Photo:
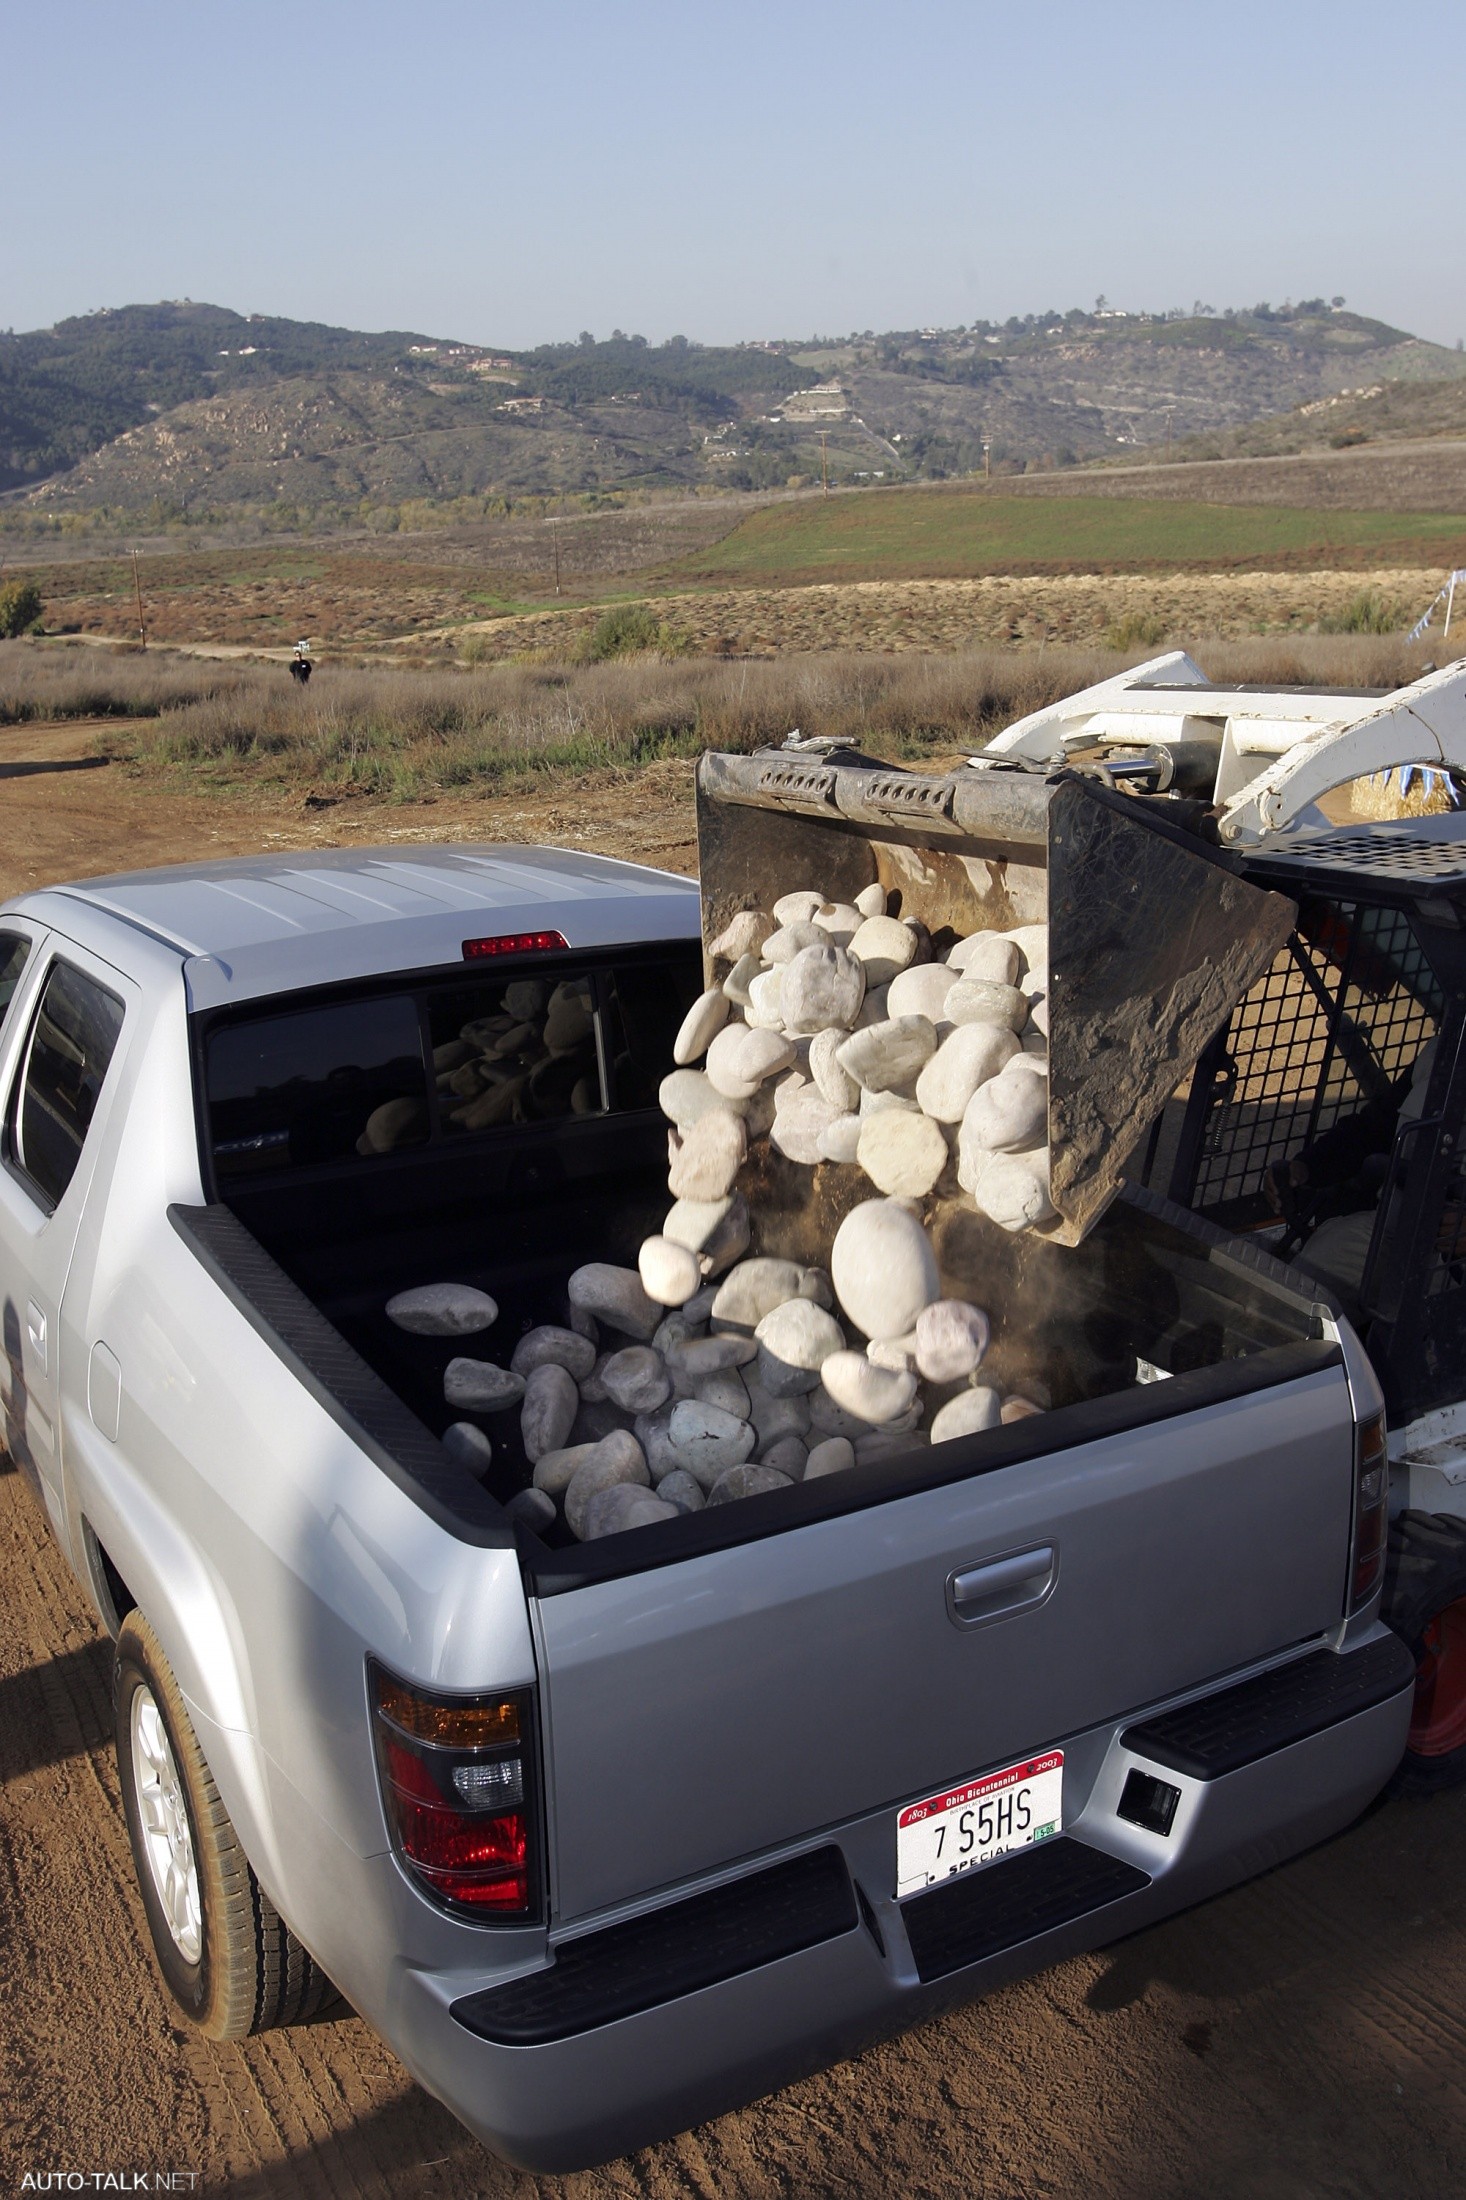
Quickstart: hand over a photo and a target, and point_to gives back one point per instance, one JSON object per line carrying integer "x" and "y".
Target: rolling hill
{"x": 184, "y": 412}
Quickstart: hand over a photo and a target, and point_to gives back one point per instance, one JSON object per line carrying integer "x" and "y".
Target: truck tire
{"x": 227, "y": 1956}
{"x": 1425, "y": 1603}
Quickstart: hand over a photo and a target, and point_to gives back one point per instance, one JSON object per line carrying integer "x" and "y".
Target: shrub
{"x": 1137, "y": 630}
{"x": 1367, "y": 613}
{"x": 629, "y": 630}
{"x": 20, "y": 609}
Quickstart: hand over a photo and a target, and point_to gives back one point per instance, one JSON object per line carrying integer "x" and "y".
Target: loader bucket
{"x": 1153, "y": 935}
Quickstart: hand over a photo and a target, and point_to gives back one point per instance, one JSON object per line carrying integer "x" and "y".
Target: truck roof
{"x": 257, "y": 925}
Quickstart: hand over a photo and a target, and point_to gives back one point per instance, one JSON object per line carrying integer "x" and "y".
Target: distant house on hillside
{"x": 521, "y": 405}
{"x": 826, "y": 401}
{"x": 490, "y": 363}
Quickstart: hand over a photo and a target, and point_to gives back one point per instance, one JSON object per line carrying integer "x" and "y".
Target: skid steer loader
{"x": 1255, "y": 1009}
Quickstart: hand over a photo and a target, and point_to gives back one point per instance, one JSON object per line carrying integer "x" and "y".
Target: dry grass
{"x": 404, "y": 735}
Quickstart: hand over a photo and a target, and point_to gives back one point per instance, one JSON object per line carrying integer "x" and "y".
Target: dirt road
{"x": 1305, "y": 2035}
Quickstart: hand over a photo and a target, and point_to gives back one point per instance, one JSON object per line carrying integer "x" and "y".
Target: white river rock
{"x": 554, "y": 1471}
{"x": 703, "y": 1021}
{"x": 742, "y": 935}
{"x": 614, "y": 1296}
{"x": 782, "y": 946}
{"x": 468, "y": 1446}
{"x": 787, "y": 1455}
{"x": 822, "y": 989}
{"x": 903, "y": 1153}
{"x": 800, "y": 1125}
{"x": 885, "y": 945}
{"x": 765, "y": 1000}
{"x": 1011, "y": 1113}
{"x": 443, "y": 1310}
{"x": 883, "y": 1268}
{"x": 836, "y": 1084}
{"x": 922, "y": 991}
{"x": 990, "y": 956}
{"x": 531, "y": 1509}
{"x": 979, "y": 1001}
{"x": 1011, "y": 1191}
{"x": 755, "y": 1287}
{"x": 740, "y": 1058}
{"x": 871, "y": 900}
{"x": 836, "y": 1455}
{"x": 965, "y": 1060}
{"x": 797, "y": 907}
{"x": 740, "y": 978}
{"x": 683, "y": 1490}
{"x": 867, "y": 1392}
{"x": 840, "y": 1138}
{"x": 951, "y": 1338}
{"x": 896, "y": 1352}
{"x": 708, "y": 1442}
{"x": 884, "y": 1057}
{"x": 704, "y": 1159}
{"x": 700, "y": 1356}
{"x": 637, "y": 1379}
{"x": 725, "y": 1389}
{"x": 669, "y": 1272}
{"x": 838, "y": 920}
{"x": 751, "y": 1480}
{"x": 966, "y": 1414}
{"x": 478, "y": 1386}
{"x": 794, "y": 1341}
{"x": 551, "y": 1402}
{"x": 617, "y": 1458}
{"x": 550, "y": 1346}
{"x": 623, "y": 1506}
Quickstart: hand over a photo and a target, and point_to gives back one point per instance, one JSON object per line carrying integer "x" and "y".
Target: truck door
{"x": 69, "y": 1012}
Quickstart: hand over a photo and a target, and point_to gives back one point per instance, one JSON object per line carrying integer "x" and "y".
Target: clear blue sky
{"x": 514, "y": 174}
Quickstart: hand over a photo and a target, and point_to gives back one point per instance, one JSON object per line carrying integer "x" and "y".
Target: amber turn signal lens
{"x": 464, "y": 1725}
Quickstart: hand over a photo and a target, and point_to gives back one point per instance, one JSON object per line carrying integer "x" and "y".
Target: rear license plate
{"x": 978, "y": 1821}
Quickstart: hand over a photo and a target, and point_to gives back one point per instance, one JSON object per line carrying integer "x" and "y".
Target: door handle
{"x": 35, "y": 1322}
{"x": 1001, "y": 1585}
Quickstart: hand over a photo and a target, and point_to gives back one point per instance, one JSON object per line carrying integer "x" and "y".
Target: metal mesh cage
{"x": 1341, "y": 1016}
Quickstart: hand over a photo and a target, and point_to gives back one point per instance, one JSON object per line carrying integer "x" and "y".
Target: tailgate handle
{"x": 1001, "y": 1586}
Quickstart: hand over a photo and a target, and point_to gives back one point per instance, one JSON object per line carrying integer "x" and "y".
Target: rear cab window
{"x": 60, "y": 1079}
{"x": 457, "y": 1058}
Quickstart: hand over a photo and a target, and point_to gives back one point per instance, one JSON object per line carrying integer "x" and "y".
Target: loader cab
{"x": 1351, "y": 1049}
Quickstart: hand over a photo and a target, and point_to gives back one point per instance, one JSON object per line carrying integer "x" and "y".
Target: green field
{"x": 906, "y": 534}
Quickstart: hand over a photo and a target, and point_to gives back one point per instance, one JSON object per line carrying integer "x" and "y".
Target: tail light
{"x": 458, "y": 1784}
{"x": 513, "y": 943}
{"x": 1371, "y": 1508}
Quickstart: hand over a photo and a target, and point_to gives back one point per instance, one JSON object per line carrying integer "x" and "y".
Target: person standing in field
{"x": 300, "y": 665}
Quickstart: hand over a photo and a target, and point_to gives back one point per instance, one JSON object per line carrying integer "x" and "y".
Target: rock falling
{"x": 706, "y": 1376}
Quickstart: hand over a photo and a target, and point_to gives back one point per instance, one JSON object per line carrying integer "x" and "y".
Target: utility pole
{"x": 142, "y": 631}
{"x": 987, "y": 460}
{"x": 825, "y": 461}
{"x": 1169, "y": 410}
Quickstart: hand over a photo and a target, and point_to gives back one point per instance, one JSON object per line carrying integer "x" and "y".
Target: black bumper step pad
{"x": 674, "y": 1951}
{"x": 1011, "y": 1901}
{"x": 1237, "y": 1726}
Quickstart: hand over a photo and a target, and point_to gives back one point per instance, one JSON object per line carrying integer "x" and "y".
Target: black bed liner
{"x": 392, "y": 1435}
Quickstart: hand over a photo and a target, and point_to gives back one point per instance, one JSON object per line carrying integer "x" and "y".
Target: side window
{"x": 14, "y": 954}
{"x": 72, "y": 1044}
{"x": 316, "y": 1085}
{"x": 514, "y": 1050}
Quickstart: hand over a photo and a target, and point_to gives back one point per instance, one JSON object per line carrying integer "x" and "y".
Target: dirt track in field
{"x": 1303, "y": 2036}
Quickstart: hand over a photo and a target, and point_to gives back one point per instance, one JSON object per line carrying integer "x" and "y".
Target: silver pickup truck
{"x": 608, "y": 1837}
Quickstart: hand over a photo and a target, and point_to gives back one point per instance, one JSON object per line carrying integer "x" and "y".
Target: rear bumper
{"x": 649, "y": 2026}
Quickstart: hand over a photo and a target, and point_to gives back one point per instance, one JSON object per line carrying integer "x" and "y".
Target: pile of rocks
{"x": 706, "y": 1375}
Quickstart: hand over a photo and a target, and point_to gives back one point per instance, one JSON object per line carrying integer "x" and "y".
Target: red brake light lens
{"x": 458, "y": 1796}
{"x": 1371, "y": 1508}
{"x": 513, "y": 943}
